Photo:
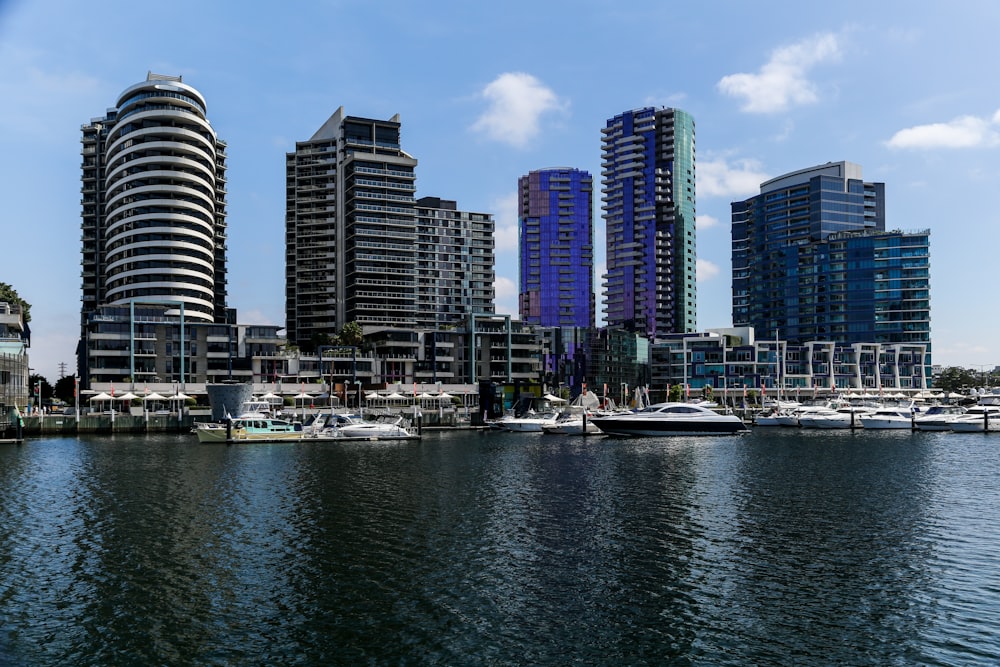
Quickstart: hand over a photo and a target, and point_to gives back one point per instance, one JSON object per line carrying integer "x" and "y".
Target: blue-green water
{"x": 781, "y": 547}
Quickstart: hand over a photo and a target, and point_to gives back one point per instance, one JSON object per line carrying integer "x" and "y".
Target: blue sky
{"x": 490, "y": 91}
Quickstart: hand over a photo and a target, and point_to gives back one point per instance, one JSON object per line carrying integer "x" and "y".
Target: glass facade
{"x": 812, "y": 260}
{"x": 648, "y": 194}
{"x": 556, "y": 233}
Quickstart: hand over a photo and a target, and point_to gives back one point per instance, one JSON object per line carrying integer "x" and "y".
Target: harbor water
{"x": 780, "y": 547}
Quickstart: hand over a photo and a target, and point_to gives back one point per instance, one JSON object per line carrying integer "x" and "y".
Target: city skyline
{"x": 482, "y": 101}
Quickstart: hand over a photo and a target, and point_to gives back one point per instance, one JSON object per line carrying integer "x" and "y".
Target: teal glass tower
{"x": 648, "y": 194}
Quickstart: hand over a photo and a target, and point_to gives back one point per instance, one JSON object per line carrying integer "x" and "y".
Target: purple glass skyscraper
{"x": 556, "y": 234}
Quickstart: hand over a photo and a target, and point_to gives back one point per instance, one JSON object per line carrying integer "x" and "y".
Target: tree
{"x": 64, "y": 388}
{"x": 351, "y": 334}
{"x": 676, "y": 391}
{"x": 10, "y": 295}
{"x": 955, "y": 379}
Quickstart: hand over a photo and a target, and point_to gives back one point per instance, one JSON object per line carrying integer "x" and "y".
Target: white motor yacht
{"x": 845, "y": 417}
{"x": 387, "y": 427}
{"x": 937, "y": 417}
{"x": 898, "y": 417}
{"x": 670, "y": 419}
{"x": 978, "y": 419}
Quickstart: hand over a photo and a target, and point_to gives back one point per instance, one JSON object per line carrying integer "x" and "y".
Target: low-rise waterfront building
{"x": 735, "y": 360}
{"x": 14, "y": 371}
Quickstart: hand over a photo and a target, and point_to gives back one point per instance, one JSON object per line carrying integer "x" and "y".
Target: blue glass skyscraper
{"x": 648, "y": 193}
{"x": 812, "y": 261}
{"x": 556, "y": 230}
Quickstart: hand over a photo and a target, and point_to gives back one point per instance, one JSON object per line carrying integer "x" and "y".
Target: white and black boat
{"x": 670, "y": 419}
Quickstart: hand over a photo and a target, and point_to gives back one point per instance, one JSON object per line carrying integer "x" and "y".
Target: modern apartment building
{"x": 359, "y": 246}
{"x": 454, "y": 263}
{"x": 735, "y": 360}
{"x": 648, "y": 194}
{"x": 812, "y": 261}
{"x": 153, "y": 207}
{"x": 350, "y": 230}
{"x": 556, "y": 245}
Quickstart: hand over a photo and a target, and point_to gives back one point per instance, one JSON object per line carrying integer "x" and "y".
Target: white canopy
{"x": 444, "y": 394}
{"x": 270, "y": 396}
{"x": 395, "y": 395}
{"x": 553, "y": 399}
{"x": 179, "y": 396}
{"x": 154, "y": 397}
{"x": 100, "y": 397}
{"x": 127, "y": 396}
{"x": 303, "y": 395}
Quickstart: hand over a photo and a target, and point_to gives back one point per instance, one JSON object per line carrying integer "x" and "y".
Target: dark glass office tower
{"x": 648, "y": 194}
{"x": 812, "y": 261}
{"x": 556, "y": 244}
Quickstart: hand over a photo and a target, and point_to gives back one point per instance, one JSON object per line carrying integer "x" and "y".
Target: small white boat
{"x": 899, "y": 417}
{"x": 532, "y": 422}
{"x": 568, "y": 423}
{"x": 770, "y": 418}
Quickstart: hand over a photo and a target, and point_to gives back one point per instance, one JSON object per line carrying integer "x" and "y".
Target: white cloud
{"x": 706, "y": 270}
{"x": 781, "y": 83}
{"x": 718, "y": 178}
{"x": 706, "y": 222}
{"x": 505, "y": 218}
{"x": 517, "y": 102}
{"x": 961, "y": 132}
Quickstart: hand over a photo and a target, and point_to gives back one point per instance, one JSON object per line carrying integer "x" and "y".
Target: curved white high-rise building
{"x": 154, "y": 208}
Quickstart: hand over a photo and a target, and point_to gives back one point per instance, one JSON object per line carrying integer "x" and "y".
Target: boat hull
{"x": 572, "y": 427}
{"x": 874, "y": 424}
{"x": 652, "y": 428}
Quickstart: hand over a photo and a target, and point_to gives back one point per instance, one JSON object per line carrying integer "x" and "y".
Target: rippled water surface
{"x": 777, "y": 548}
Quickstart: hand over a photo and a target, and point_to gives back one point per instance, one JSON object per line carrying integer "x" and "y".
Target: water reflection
{"x": 774, "y": 548}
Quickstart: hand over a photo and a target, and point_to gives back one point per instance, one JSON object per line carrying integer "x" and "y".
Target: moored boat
{"x": 530, "y": 423}
{"x": 978, "y": 419}
{"x": 569, "y": 423}
{"x": 670, "y": 419}
{"x": 259, "y": 428}
{"x": 937, "y": 418}
{"x": 898, "y": 417}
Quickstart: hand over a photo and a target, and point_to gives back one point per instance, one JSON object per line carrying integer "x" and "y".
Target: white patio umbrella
{"x": 127, "y": 396}
{"x": 101, "y": 397}
{"x": 154, "y": 397}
